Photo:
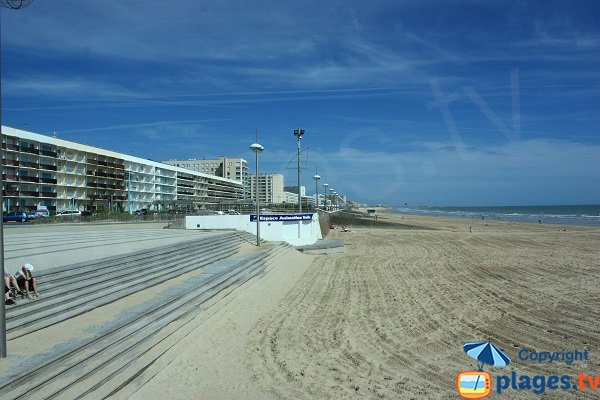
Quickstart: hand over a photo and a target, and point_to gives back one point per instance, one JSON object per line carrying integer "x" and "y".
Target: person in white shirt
{"x": 26, "y": 280}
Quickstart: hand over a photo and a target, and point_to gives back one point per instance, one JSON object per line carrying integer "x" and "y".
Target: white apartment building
{"x": 225, "y": 167}
{"x": 294, "y": 189}
{"x": 270, "y": 188}
{"x": 43, "y": 171}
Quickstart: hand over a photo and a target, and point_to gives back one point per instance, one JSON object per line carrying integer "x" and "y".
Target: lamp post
{"x": 299, "y": 133}
{"x": 331, "y": 198}
{"x": 335, "y": 200}
{"x": 325, "y": 185}
{"x": 316, "y": 178}
{"x": 14, "y": 5}
{"x": 257, "y": 148}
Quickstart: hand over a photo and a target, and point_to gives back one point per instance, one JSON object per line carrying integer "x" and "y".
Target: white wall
{"x": 286, "y": 231}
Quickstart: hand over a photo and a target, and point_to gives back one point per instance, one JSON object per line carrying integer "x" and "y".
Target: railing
{"x": 29, "y": 179}
{"x": 8, "y": 146}
{"x": 48, "y": 167}
{"x": 48, "y": 180}
{"x": 29, "y": 150}
{"x": 13, "y": 193}
{"x": 29, "y": 164}
{"x": 11, "y": 162}
{"x": 48, "y": 153}
{"x": 10, "y": 177}
{"x": 29, "y": 194}
{"x": 47, "y": 194}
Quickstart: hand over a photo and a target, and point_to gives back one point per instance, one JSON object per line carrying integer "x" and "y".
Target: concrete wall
{"x": 286, "y": 231}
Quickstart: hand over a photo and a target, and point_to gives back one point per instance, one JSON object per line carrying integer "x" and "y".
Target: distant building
{"x": 225, "y": 167}
{"x": 294, "y": 189}
{"x": 270, "y": 188}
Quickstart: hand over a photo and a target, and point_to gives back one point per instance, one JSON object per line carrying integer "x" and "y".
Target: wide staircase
{"x": 111, "y": 361}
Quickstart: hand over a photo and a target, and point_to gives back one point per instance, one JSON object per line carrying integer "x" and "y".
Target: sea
{"x": 587, "y": 215}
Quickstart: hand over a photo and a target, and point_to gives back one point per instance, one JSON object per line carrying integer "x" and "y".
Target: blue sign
{"x": 282, "y": 217}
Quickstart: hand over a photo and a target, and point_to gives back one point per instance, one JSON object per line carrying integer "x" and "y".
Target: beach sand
{"x": 388, "y": 317}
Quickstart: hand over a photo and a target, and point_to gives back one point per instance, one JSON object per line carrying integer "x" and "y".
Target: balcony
{"x": 30, "y": 150}
{"x": 29, "y": 194}
{"x": 14, "y": 178}
{"x": 9, "y": 146}
{"x": 10, "y": 193}
{"x": 48, "y": 180}
{"x": 10, "y": 162}
{"x": 48, "y": 153}
{"x": 48, "y": 167}
{"x": 48, "y": 194}
{"x": 29, "y": 164}
{"x": 29, "y": 179}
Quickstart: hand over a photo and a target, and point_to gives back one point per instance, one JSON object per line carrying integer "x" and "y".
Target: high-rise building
{"x": 43, "y": 171}
{"x": 270, "y": 188}
{"x": 225, "y": 167}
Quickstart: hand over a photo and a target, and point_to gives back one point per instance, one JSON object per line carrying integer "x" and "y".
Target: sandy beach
{"x": 388, "y": 317}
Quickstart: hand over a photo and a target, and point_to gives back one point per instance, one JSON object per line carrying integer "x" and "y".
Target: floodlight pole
{"x": 14, "y": 5}
{"x": 299, "y": 133}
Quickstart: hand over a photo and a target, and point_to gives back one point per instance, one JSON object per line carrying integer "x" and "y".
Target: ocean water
{"x": 588, "y": 215}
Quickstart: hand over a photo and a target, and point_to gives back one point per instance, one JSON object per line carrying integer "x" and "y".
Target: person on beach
{"x": 25, "y": 280}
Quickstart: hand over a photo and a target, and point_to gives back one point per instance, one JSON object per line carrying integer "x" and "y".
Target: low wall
{"x": 296, "y": 233}
{"x": 324, "y": 222}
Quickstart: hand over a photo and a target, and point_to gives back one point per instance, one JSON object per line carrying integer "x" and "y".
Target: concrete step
{"x": 112, "y": 288}
{"x": 69, "y": 285}
{"x": 88, "y": 368}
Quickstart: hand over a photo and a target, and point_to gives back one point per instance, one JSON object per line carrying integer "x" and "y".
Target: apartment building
{"x": 270, "y": 188}
{"x": 43, "y": 171}
{"x": 225, "y": 167}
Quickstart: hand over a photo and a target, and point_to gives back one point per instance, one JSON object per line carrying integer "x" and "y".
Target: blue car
{"x": 16, "y": 216}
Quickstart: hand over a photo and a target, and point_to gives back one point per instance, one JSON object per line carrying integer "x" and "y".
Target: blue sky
{"x": 423, "y": 102}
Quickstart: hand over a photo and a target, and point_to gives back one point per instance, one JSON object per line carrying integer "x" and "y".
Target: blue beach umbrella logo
{"x": 486, "y": 353}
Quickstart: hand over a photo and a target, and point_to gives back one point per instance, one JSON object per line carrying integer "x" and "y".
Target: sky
{"x": 420, "y": 102}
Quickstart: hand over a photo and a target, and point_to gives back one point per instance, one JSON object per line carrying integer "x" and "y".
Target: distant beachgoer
{"x": 539, "y": 221}
{"x": 470, "y": 229}
{"x": 25, "y": 280}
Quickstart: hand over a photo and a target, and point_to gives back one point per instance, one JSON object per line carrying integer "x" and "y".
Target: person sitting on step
{"x": 25, "y": 280}
{"x": 9, "y": 280}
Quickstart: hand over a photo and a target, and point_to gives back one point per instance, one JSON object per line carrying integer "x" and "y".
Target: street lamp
{"x": 316, "y": 178}
{"x": 325, "y": 185}
{"x": 15, "y": 5}
{"x": 299, "y": 133}
{"x": 257, "y": 148}
{"x": 331, "y": 198}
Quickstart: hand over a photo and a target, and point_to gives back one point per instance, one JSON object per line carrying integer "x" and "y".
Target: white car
{"x": 68, "y": 213}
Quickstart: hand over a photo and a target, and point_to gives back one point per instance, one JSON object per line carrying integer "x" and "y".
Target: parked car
{"x": 232, "y": 212}
{"x": 219, "y": 213}
{"x": 39, "y": 213}
{"x": 68, "y": 214}
{"x": 15, "y": 216}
